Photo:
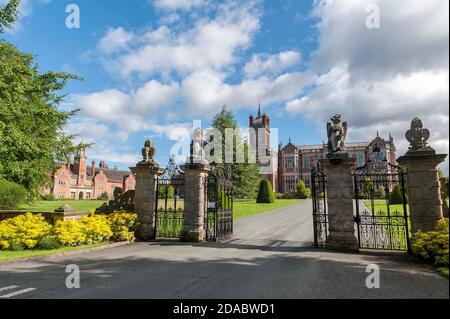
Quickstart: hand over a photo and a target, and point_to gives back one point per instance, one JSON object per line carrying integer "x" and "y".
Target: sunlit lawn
{"x": 381, "y": 207}
{"x": 12, "y": 255}
{"x": 245, "y": 208}
{"x": 50, "y": 206}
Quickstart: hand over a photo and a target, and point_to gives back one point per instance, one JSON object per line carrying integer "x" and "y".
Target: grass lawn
{"x": 49, "y": 206}
{"x": 245, "y": 208}
{"x": 13, "y": 255}
{"x": 381, "y": 207}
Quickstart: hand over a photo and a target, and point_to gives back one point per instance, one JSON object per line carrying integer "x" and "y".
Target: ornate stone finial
{"x": 149, "y": 151}
{"x": 418, "y": 136}
{"x": 337, "y": 133}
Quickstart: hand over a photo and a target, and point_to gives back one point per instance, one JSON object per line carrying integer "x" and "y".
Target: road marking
{"x": 8, "y": 288}
{"x": 20, "y": 292}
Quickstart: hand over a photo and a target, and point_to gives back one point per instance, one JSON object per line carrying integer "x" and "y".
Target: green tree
{"x": 32, "y": 140}
{"x": 303, "y": 192}
{"x": 246, "y": 175}
{"x": 8, "y": 15}
{"x": 265, "y": 194}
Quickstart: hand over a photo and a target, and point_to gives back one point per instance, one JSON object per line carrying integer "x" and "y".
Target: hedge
{"x": 12, "y": 195}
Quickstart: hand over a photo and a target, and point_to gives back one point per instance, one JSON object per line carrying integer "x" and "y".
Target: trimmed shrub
{"x": 12, "y": 195}
{"x": 26, "y": 230}
{"x": 302, "y": 191}
{"x": 288, "y": 196}
{"x": 433, "y": 246}
{"x": 123, "y": 225}
{"x": 396, "y": 196}
{"x": 265, "y": 193}
{"x": 162, "y": 189}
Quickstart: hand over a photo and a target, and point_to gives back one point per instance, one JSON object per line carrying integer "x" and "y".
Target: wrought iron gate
{"x": 169, "y": 211}
{"x": 381, "y": 214}
{"x": 320, "y": 213}
{"x": 219, "y": 204}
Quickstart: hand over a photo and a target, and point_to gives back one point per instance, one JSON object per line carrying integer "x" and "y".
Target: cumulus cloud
{"x": 115, "y": 40}
{"x": 210, "y": 43}
{"x": 206, "y": 90}
{"x": 379, "y": 79}
{"x": 129, "y": 111}
{"x": 272, "y": 64}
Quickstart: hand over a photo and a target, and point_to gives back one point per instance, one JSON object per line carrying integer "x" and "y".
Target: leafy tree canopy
{"x": 32, "y": 139}
{"x": 8, "y": 15}
{"x": 246, "y": 175}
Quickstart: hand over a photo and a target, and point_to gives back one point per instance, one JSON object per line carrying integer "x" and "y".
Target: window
{"x": 306, "y": 162}
{"x": 72, "y": 195}
{"x": 291, "y": 184}
{"x": 289, "y": 162}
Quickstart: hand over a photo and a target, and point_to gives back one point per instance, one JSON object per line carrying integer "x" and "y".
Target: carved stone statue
{"x": 149, "y": 151}
{"x": 337, "y": 133}
{"x": 418, "y": 136}
{"x": 197, "y": 152}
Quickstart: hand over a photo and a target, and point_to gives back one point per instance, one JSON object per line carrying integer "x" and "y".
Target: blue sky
{"x": 151, "y": 67}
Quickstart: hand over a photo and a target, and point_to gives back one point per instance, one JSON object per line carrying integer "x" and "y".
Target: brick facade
{"x": 77, "y": 180}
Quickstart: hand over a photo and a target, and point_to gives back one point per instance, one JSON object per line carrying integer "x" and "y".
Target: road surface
{"x": 271, "y": 257}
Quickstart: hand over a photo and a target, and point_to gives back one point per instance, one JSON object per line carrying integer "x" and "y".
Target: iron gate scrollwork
{"x": 219, "y": 202}
{"x": 169, "y": 211}
{"x": 381, "y": 214}
{"x": 319, "y": 201}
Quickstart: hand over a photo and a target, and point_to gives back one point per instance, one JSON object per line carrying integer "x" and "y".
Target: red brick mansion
{"x": 77, "y": 180}
{"x": 291, "y": 163}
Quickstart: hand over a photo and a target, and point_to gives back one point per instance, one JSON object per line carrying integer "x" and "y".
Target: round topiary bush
{"x": 11, "y": 195}
{"x": 396, "y": 196}
{"x": 265, "y": 193}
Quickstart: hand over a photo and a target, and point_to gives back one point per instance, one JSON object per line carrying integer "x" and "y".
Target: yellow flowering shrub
{"x": 24, "y": 230}
{"x": 69, "y": 233}
{"x": 96, "y": 229}
{"x": 87, "y": 230}
{"x": 123, "y": 225}
{"x": 433, "y": 246}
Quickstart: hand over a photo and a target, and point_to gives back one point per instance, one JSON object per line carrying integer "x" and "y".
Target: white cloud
{"x": 206, "y": 91}
{"x": 210, "y": 43}
{"x": 129, "y": 111}
{"x": 115, "y": 40}
{"x": 379, "y": 79}
{"x": 272, "y": 64}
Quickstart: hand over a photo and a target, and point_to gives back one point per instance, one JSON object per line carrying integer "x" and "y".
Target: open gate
{"x": 319, "y": 201}
{"x": 169, "y": 211}
{"x": 219, "y": 203}
{"x": 381, "y": 214}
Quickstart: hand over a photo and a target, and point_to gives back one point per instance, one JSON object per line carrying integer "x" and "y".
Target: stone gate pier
{"x": 423, "y": 184}
{"x": 337, "y": 166}
{"x": 146, "y": 172}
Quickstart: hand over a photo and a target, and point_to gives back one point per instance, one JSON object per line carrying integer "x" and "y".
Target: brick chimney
{"x": 93, "y": 168}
